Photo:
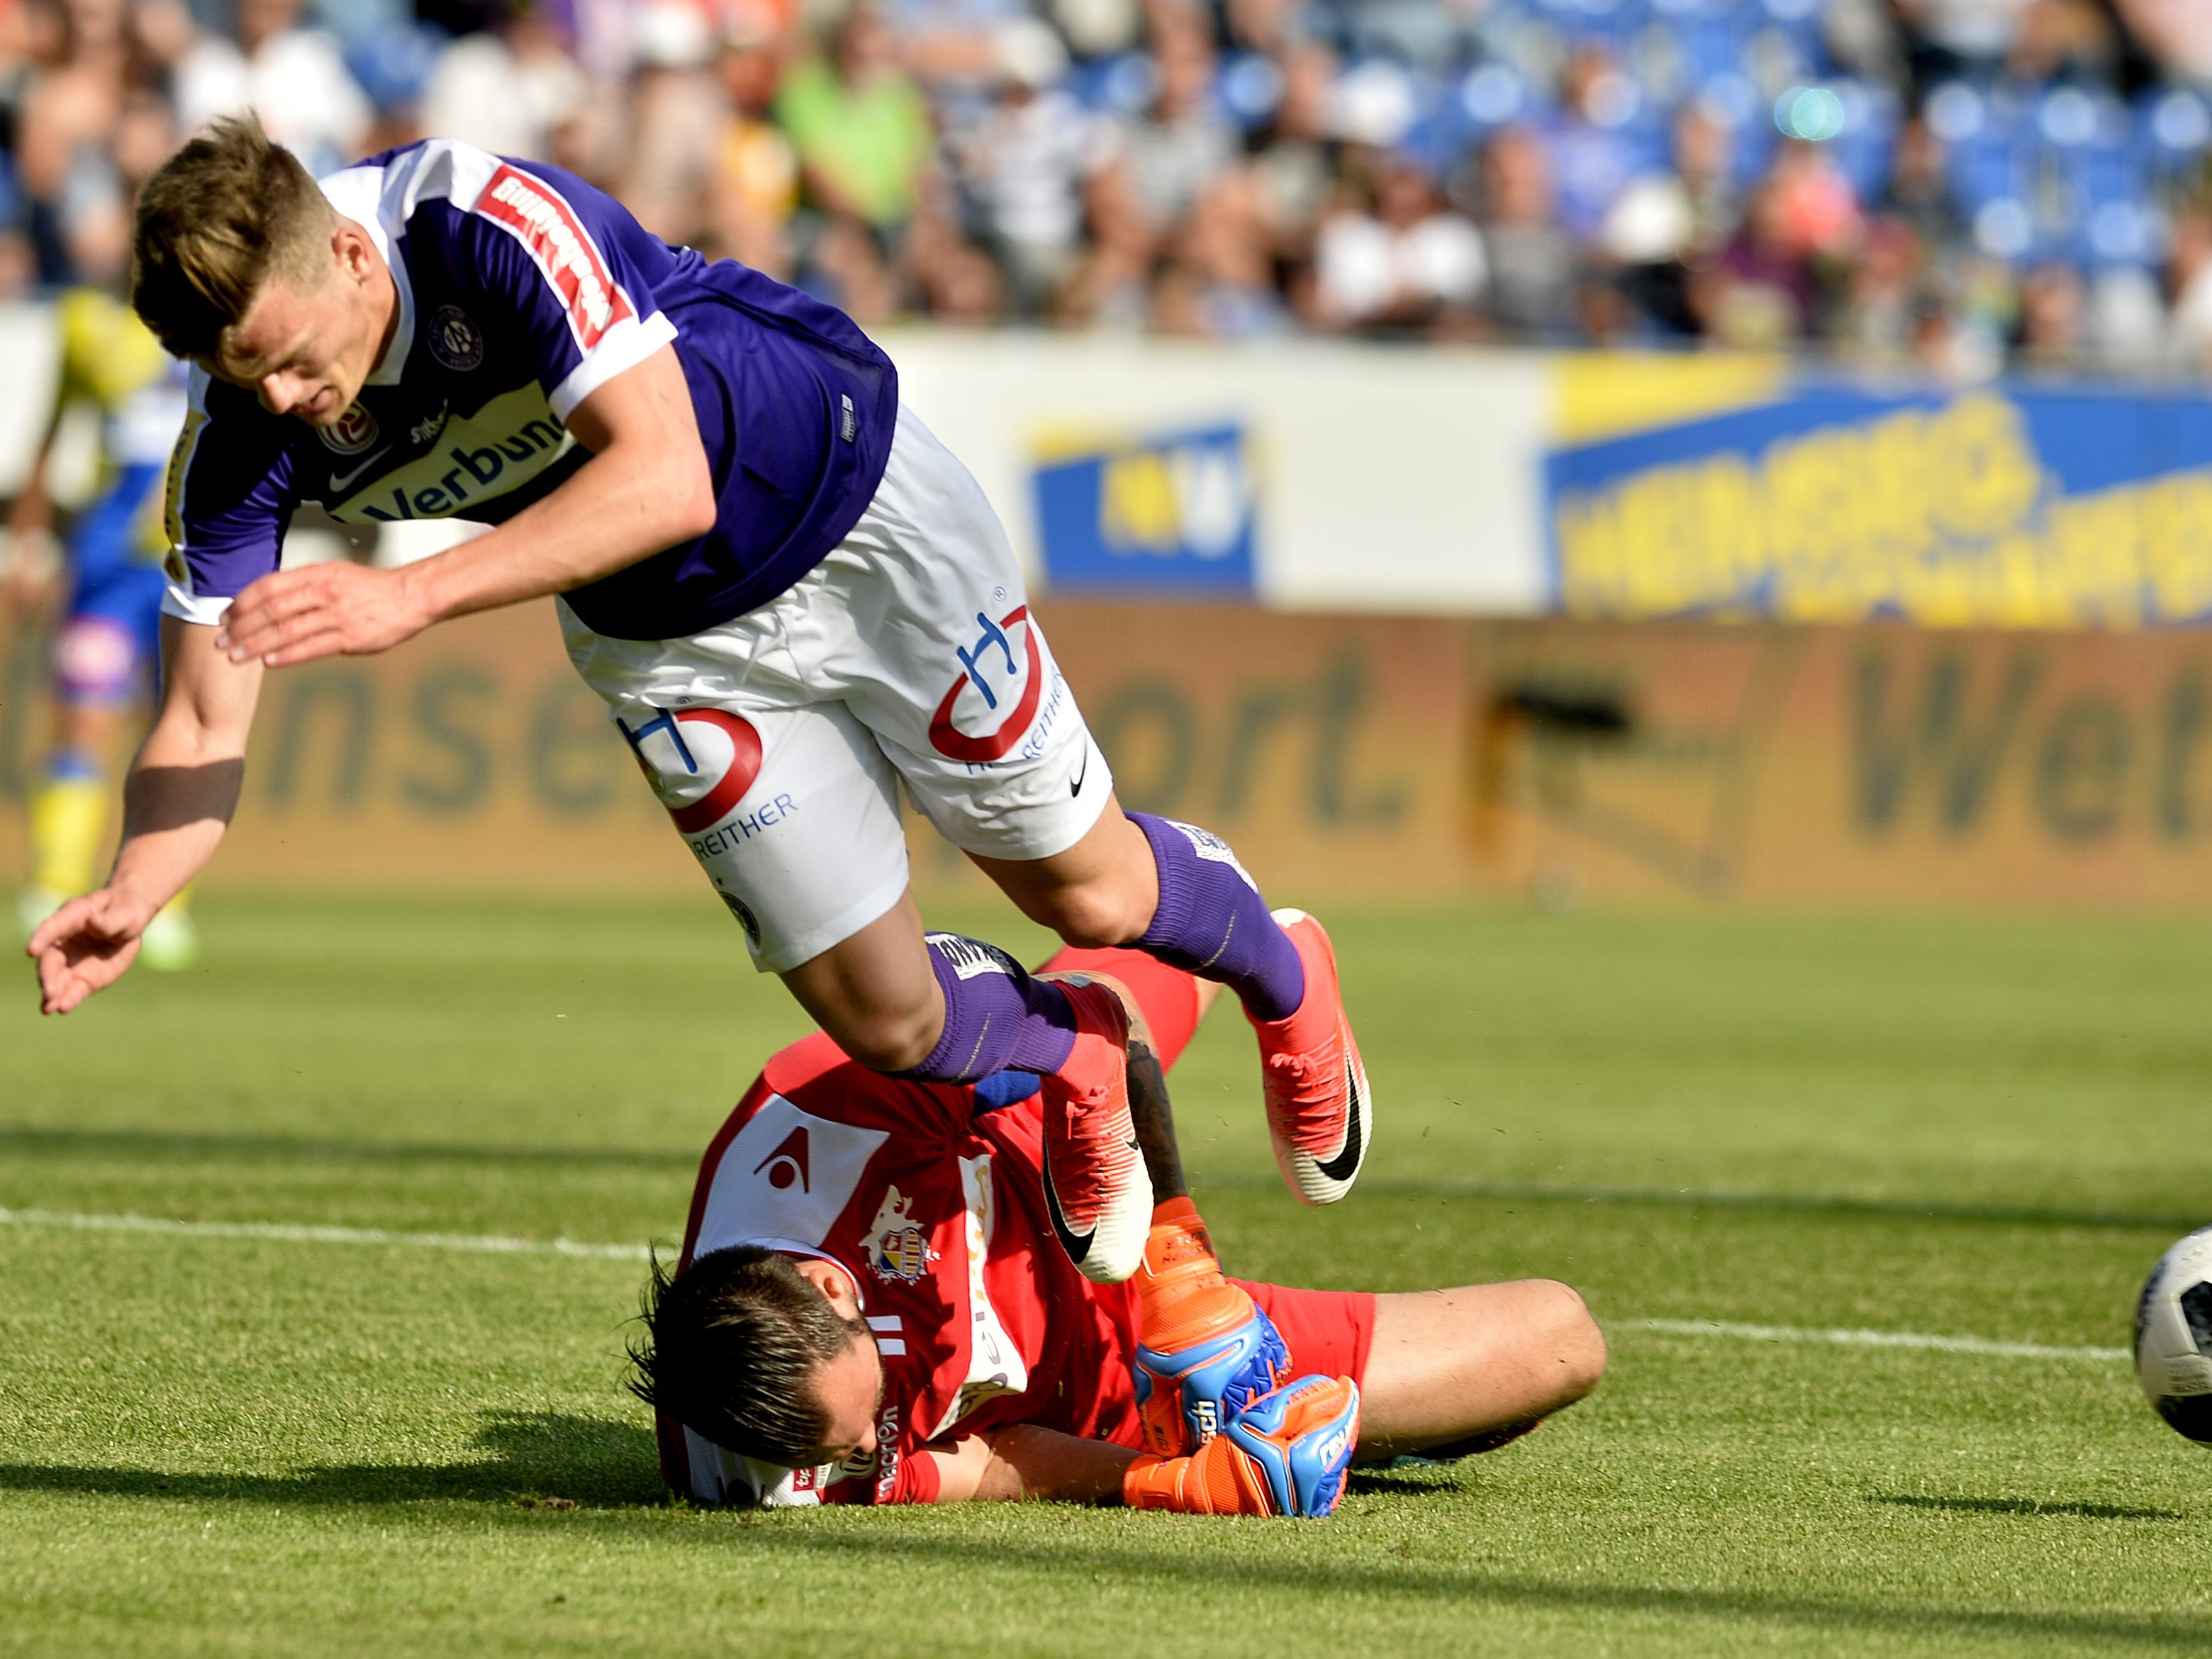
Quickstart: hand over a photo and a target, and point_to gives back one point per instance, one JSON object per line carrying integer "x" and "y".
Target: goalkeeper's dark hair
{"x": 225, "y": 213}
{"x": 729, "y": 1349}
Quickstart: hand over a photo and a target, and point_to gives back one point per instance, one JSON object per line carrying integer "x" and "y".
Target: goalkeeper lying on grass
{"x": 867, "y": 1310}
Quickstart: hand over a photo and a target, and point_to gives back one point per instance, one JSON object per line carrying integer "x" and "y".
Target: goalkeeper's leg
{"x": 1453, "y": 1372}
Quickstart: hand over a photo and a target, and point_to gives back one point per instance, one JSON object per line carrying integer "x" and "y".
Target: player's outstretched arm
{"x": 177, "y": 802}
{"x": 1024, "y": 1460}
{"x": 646, "y": 486}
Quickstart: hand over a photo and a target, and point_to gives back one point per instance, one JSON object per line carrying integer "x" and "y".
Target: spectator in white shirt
{"x": 507, "y": 89}
{"x": 1170, "y": 157}
{"x": 1024, "y": 165}
{"x": 295, "y": 79}
{"x": 1411, "y": 264}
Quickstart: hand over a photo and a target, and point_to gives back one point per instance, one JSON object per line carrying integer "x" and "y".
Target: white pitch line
{"x": 1847, "y": 1339}
{"x": 497, "y": 1244}
{"x": 288, "y": 1233}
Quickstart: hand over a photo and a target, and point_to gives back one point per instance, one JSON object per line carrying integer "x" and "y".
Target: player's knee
{"x": 888, "y": 1039}
{"x": 1092, "y": 914}
{"x": 1570, "y": 1338}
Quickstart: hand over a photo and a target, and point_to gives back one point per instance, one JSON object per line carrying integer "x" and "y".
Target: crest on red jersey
{"x": 898, "y": 1248}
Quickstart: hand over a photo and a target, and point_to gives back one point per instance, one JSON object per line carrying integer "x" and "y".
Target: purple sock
{"x": 995, "y": 1015}
{"x": 1213, "y": 923}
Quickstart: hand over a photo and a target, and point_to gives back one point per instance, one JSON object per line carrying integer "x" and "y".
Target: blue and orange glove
{"x": 1204, "y": 1350}
{"x": 1284, "y": 1455}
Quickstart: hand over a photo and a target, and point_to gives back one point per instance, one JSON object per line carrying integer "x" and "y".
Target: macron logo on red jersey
{"x": 556, "y": 239}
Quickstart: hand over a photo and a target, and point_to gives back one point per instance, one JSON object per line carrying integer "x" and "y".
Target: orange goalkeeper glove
{"x": 1205, "y": 1351}
{"x": 1285, "y": 1454}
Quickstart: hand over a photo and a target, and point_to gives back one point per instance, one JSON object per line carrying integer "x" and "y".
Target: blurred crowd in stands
{"x": 1950, "y": 185}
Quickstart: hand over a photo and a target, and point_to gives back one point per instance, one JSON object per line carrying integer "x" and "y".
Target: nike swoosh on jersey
{"x": 339, "y": 480}
{"x": 1346, "y": 1163}
{"x": 1081, "y": 773}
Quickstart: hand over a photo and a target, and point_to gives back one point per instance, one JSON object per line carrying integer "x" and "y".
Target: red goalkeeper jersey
{"x": 932, "y": 1201}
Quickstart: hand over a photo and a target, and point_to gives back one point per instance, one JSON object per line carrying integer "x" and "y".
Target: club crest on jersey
{"x": 545, "y": 224}
{"x": 355, "y": 431}
{"x": 990, "y": 672}
{"x": 455, "y": 341}
{"x": 898, "y": 1249}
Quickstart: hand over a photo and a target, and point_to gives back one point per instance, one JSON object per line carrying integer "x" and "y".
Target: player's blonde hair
{"x": 225, "y": 213}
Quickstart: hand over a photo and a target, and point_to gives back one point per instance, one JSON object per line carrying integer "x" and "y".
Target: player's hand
{"x": 85, "y": 946}
{"x": 1287, "y": 1455}
{"x": 333, "y": 610}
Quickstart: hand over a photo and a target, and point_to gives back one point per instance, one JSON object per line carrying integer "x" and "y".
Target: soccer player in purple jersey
{"x": 790, "y": 594}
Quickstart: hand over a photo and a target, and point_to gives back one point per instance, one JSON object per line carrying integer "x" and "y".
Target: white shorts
{"x": 777, "y": 740}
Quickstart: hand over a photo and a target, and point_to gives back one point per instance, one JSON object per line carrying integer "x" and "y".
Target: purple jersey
{"x": 522, "y": 290}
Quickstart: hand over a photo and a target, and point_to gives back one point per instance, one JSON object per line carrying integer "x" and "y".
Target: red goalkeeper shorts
{"x": 1326, "y": 1330}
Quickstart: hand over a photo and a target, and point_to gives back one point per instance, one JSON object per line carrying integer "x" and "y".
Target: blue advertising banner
{"x": 2012, "y": 506}
{"x": 1170, "y": 512}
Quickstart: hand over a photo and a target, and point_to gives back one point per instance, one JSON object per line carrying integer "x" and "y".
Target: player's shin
{"x": 997, "y": 1018}
{"x": 1212, "y": 922}
{"x": 1287, "y": 1455}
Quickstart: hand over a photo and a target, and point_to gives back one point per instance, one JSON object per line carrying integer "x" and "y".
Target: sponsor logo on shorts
{"x": 545, "y": 224}
{"x": 455, "y": 341}
{"x": 741, "y": 829}
{"x": 353, "y": 432}
{"x": 989, "y": 668}
{"x": 724, "y": 790}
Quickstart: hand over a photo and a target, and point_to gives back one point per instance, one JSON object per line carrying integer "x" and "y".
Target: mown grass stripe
{"x": 1859, "y": 1339}
{"x": 1913, "y": 1209}
{"x": 500, "y": 1244}
{"x": 293, "y": 1233}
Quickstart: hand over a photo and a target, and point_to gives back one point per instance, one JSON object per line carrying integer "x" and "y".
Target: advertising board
{"x": 1414, "y": 756}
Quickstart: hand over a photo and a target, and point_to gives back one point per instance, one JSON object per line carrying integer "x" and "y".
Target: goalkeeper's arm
{"x": 1287, "y": 1456}
{"x": 1024, "y": 1460}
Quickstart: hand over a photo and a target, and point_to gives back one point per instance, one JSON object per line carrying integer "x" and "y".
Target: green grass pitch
{"x": 234, "y": 1445}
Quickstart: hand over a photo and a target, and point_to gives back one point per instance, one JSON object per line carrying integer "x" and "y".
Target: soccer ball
{"x": 2174, "y": 1336}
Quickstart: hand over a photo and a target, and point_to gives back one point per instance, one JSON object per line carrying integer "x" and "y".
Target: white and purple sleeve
{"x": 564, "y": 262}
{"x": 229, "y": 500}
